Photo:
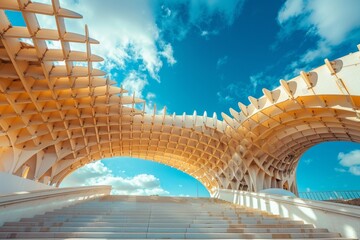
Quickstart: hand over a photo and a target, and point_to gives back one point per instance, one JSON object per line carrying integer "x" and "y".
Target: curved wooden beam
{"x": 56, "y": 118}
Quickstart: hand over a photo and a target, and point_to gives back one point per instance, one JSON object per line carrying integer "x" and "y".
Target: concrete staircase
{"x": 135, "y": 217}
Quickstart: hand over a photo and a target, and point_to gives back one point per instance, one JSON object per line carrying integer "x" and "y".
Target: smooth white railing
{"x": 341, "y": 218}
{"x": 27, "y": 204}
{"x": 330, "y": 195}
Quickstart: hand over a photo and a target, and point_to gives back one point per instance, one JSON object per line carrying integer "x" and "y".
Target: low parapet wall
{"x": 13, "y": 207}
{"x": 11, "y": 184}
{"x": 341, "y": 218}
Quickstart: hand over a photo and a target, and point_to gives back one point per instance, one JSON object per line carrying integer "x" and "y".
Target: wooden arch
{"x": 58, "y": 112}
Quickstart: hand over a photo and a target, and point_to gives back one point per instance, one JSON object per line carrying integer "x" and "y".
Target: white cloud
{"x": 202, "y": 9}
{"x": 290, "y": 9}
{"x": 307, "y": 161}
{"x": 133, "y": 34}
{"x": 330, "y": 24}
{"x": 207, "y": 33}
{"x": 335, "y": 19}
{"x": 340, "y": 170}
{"x": 168, "y": 53}
{"x": 127, "y": 31}
{"x": 332, "y": 21}
{"x": 150, "y": 95}
{"x": 204, "y": 33}
{"x": 355, "y": 170}
{"x": 224, "y": 98}
{"x": 304, "y": 62}
{"x": 180, "y": 16}
{"x": 321, "y": 50}
{"x": 350, "y": 160}
{"x": 239, "y": 91}
{"x": 98, "y": 174}
{"x": 222, "y": 61}
{"x": 135, "y": 83}
{"x": 256, "y": 80}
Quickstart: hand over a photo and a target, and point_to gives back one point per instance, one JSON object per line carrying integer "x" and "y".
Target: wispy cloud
{"x": 136, "y": 38}
{"x": 176, "y": 18}
{"x": 290, "y": 9}
{"x": 240, "y": 90}
{"x": 355, "y": 170}
{"x": 224, "y": 98}
{"x": 150, "y": 96}
{"x": 208, "y": 33}
{"x": 330, "y": 24}
{"x": 168, "y": 53}
{"x": 135, "y": 35}
{"x": 199, "y": 10}
{"x": 313, "y": 17}
{"x": 234, "y": 92}
{"x": 98, "y": 174}
{"x": 135, "y": 83}
{"x": 351, "y": 161}
{"x": 308, "y": 161}
{"x": 342, "y": 170}
{"x": 221, "y": 61}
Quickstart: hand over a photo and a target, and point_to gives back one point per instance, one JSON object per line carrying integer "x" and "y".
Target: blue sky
{"x": 207, "y": 55}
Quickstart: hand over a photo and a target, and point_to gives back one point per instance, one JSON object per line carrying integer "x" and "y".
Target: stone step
{"x": 160, "y": 220}
{"x": 128, "y": 217}
{"x": 175, "y": 229}
{"x": 75, "y": 238}
{"x": 125, "y": 202}
{"x": 165, "y": 218}
{"x": 176, "y": 208}
{"x": 174, "y": 221}
{"x": 150, "y": 209}
{"x": 160, "y": 213}
{"x": 166, "y": 235}
{"x": 122, "y": 203}
{"x": 182, "y": 216}
{"x": 136, "y": 210}
{"x": 159, "y": 225}
{"x": 188, "y": 204}
{"x": 140, "y": 214}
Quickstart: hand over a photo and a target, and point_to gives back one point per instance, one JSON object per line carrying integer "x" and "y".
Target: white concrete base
{"x": 341, "y": 218}
{"x": 11, "y": 184}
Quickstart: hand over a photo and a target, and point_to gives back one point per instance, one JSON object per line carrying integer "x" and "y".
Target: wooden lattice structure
{"x": 58, "y": 113}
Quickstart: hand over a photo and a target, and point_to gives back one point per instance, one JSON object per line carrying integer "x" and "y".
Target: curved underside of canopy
{"x": 58, "y": 113}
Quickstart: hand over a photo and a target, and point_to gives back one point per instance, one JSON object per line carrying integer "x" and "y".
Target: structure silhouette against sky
{"x": 59, "y": 113}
